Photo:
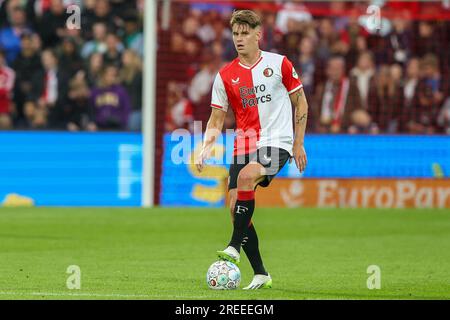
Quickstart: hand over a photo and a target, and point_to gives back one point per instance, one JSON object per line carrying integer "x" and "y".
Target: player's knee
{"x": 246, "y": 179}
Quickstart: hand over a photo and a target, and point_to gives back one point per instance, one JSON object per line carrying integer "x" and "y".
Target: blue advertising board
{"x": 329, "y": 156}
{"x": 72, "y": 169}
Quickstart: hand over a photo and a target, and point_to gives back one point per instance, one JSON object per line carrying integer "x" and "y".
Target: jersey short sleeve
{"x": 219, "y": 98}
{"x": 291, "y": 79}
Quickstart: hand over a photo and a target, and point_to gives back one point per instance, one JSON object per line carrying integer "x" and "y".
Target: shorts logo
{"x": 267, "y": 159}
{"x": 268, "y": 72}
{"x": 241, "y": 209}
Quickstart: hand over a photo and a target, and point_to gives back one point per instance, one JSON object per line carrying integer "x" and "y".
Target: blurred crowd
{"x": 55, "y": 74}
{"x": 358, "y": 78}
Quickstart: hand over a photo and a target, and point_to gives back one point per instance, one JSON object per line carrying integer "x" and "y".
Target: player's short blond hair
{"x": 247, "y": 17}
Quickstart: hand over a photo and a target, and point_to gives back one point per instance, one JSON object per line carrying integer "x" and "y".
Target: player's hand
{"x": 203, "y": 156}
{"x": 299, "y": 157}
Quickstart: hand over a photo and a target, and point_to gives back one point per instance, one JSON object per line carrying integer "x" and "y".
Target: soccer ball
{"x": 223, "y": 275}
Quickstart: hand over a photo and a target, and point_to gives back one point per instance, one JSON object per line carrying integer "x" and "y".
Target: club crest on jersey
{"x": 268, "y": 72}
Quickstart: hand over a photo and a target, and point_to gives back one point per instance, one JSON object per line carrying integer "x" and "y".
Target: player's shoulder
{"x": 273, "y": 57}
{"x": 229, "y": 67}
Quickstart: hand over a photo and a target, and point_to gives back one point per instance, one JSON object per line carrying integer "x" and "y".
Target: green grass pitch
{"x": 164, "y": 253}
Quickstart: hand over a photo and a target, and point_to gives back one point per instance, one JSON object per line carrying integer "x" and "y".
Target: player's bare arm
{"x": 213, "y": 130}
{"x": 300, "y": 104}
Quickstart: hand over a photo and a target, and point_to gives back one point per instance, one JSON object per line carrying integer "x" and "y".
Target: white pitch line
{"x": 95, "y": 295}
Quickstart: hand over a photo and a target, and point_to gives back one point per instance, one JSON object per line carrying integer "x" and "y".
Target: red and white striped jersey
{"x": 259, "y": 97}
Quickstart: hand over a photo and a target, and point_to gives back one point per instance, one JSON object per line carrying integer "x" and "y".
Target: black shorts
{"x": 271, "y": 158}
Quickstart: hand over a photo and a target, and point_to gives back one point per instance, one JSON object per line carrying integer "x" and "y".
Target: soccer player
{"x": 260, "y": 87}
